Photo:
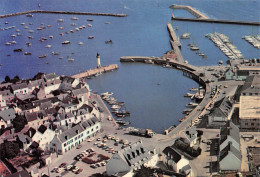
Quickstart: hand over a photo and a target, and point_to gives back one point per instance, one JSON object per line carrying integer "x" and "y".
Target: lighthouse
{"x": 98, "y": 60}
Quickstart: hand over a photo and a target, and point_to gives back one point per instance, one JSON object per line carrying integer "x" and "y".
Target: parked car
{"x": 75, "y": 169}
{"x": 79, "y": 146}
{"x": 62, "y": 165}
{"x": 69, "y": 167}
{"x": 79, "y": 171}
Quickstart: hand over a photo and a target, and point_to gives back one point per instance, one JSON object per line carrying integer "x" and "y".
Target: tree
{"x": 7, "y": 79}
{"x": 19, "y": 122}
{"x": 9, "y": 149}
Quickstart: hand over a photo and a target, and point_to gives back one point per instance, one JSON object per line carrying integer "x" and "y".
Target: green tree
{"x": 19, "y": 122}
{"x": 7, "y": 79}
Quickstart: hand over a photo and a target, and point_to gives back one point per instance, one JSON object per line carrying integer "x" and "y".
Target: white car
{"x": 68, "y": 167}
{"x": 75, "y": 169}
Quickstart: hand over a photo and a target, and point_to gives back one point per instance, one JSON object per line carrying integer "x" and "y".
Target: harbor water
{"x": 153, "y": 95}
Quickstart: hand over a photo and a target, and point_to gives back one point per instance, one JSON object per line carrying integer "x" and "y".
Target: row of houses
{"x": 58, "y": 110}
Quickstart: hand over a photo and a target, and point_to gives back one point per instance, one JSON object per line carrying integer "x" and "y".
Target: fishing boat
{"x": 194, "y": 89}
{"x": 71, "y": 59}
{"x": 191, "y": 104}
{"x": 74, "y": 18}
{"x": 30, "y": 37}
{"x": 107, "y": 94}
{"x": 71, "y": 31}
{"x": 7, "y": 43}
{"x": 13, "y": 35}
{"x": 51, "y": 37}
{"x": 185, "y": 36}
{"x": 42, "y": 56}
{"x": 60, "y": 58}
{"x": 90, "y": 20}
{"x": 18, "y": 50}
{"x": 107, "y": 22}
{"x": 60, "y": 27}
{"x": 54, "y": 53}
{"x": 91, "y": 37}
{"x": 60, "y": 20}
{"x": 183, "y": 118}
{"x": 13, "y": 42}
{"x": 17, "y": 30}
{"x": 77, "y": 29}
{"x": 22, "y": 23}
{"x": 123, "y": 123}
{"x": 28, "y": 44}
{"x": 186, "y": 111}
{"x": 19, "y": 34}
{"x": 29, "y": 15}
{"x": 80, "y": 43}
{"x": 188, "y": 95}
{"x": 109, "y": 42}
{"x": 27, "y": 53}
{"x": 65, "y": 42}
{"x": 83, "y": 26}
{"x": 89, "y": 25}
{"x": 115, "y": 106}
{"x": 48, "y": 46}
{"x": 30, "y": 31}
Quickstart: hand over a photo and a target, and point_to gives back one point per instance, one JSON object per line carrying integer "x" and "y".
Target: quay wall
{"x": 63, "y": 12}
{"x": 217, "y": 21}
{"x": 190, "y": 9}
{"x": 135, "y": 58}
{"x": 95, "y": 71}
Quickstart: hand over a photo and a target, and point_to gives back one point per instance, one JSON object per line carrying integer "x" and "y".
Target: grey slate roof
{"x": 65, "y": 116}
{"x": 230, "y": 129}
{"x": 8, "y": 114}
{"x": 232, "y": 149}
{"x": 19, "y": 174}
{"x": 51, "y": 76}
{"x": 42, "y": 129}
{"x": 6, "y": 93}
{"x": 251, "y": 85}
{"x": 68, "y": 134}
{"x": 191, "y": 133}
{"x": 68, "y": 79}
{"x": 34, "y": 83}
{"x": 134, "y": 154}
{"x": 80, "y": 91}
{"x": 89, "y": 123}
{"x": 19, "y": 86}
{"x": 31, "y": 116}
{"x": 21, "y": 137}
{"x": 175, "y": 155}
{"x": 222, "y": 108}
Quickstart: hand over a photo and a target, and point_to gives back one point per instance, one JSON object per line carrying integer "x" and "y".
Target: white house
{"x": 6, "y": 118}
{"x": 51, "y": 85}
{"x": 191, "y": 135}
{"x": 175, "y": 161}
{"x": 21, "y": 88}
{"x": 33, "y": 84}
{"x": 43, "y": 137}
{"x": 130, "y": 158}
{"x": 2, "y": 102}
{"x": 68, "y": 82}
{"x": 70, "y": 138}
{"x": 64, "y": 119}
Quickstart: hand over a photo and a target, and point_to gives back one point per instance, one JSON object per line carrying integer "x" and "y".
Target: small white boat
{"x": 61, "y": 28}
{"x": 74, "y": 18}
{"x": 60, "y": 20}
{"x": 65, "y": 42}
{"x": 71, "y": 59}
{"x": 22, "y": 23}
{"x": 76, "y": 29}
{"x": 71, "y": 31}
{"x": 7, "y": 43}
{"x": 30, "y": 31}
{"x": 107, "y": 22}
{"x": 17, "y": 30}
{"x": 80, "y": 43}
{"x": 73, "y": 24}
{"x": 13, "y": 42}
{"x": 51, "y": 37}
{"x": 48, "y": 46}
{"x": 13, "y": 35}
{"x": 89, "y": 25}
{"x": 107, "y": 93}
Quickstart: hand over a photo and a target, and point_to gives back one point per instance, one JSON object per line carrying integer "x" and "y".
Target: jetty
{"x": 173, "y": 36}
{"x": 62, "y": 12}
{"x": 95, "y": 71}
{"x": 216, "y": 21}
{"x": 190, "y": 9}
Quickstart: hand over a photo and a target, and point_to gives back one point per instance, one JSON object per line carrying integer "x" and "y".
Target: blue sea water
{"x": 143, "y": 32}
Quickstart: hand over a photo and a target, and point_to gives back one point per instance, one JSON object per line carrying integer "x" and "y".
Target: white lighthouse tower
{"x": 98, "y": 60}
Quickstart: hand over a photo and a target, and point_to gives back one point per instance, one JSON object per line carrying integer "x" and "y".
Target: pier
{"x": 173, "y": 36}
{"x": 62, "y": 12}
{"x": 190, "y": 9}
{"x": 217, "y": 21}
{"x": 95, "y": 71}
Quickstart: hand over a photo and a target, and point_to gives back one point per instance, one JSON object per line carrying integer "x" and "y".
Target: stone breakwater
{"x": 95, "y": 71}
{"x": 62, "y": 12}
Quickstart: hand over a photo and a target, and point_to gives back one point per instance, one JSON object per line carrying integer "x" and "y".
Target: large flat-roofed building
{"x": 249, "y": 112}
